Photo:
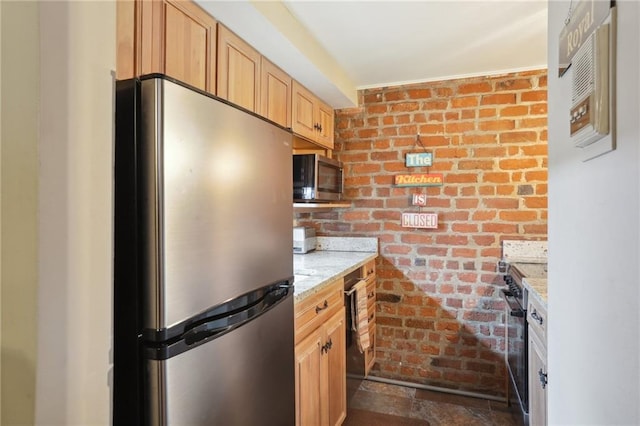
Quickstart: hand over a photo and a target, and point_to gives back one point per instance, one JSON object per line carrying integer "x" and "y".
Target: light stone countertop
{"x": 537, "y": 288}
{"x": 524, "y": 251}
{"x": 317, "y": 269}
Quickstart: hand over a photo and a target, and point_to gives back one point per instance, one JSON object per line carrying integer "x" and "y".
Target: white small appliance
{"x": 304, "y": 239}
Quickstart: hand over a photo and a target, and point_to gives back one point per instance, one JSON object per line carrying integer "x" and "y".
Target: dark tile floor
{"x": 378, "y": 404}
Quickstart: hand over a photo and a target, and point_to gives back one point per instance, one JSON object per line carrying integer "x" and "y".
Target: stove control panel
{"x": 513, "y": 287}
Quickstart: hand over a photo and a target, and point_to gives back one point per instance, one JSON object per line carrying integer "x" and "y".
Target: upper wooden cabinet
{"x": 172, "y": 37}
{"x": 311, "y": 118}
{"x": 275, "y": 94}
{"x": 238, "y": 70}
{"x": 181, "y": 40}
{"x": 325, "y": 119}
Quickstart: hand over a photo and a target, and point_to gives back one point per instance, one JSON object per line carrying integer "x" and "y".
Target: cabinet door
{"x": 537, "y": 381}
{"x": 238, "y": 70}
{"x": 303, "y": 121}
{"x": 189, "y": 44}
{"x": 166, "y": 36}
{"x": 309, "y": 368}
{"x": 336, "y": 369}
{"x": 275, "y": 94}
{"x": 325, "y": 125}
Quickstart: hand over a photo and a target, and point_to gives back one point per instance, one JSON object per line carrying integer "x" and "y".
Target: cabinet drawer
{"x": 370, "y": 353}
{"x": 537, "y": 318}
{"x": 371, "y": 315}
{"x": 368, "y": 271}
{"x": 316, "y": 309}
{"x": 371, "y": 291}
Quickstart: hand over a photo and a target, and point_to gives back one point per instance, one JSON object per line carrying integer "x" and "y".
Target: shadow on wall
{"x": 439, "y": 319}
{"x": 442, "y": 339}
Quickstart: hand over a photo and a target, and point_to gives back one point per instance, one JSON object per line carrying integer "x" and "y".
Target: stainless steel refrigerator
{"x": 203, "y": 274}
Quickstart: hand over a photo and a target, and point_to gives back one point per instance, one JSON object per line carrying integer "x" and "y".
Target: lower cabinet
{"x": 321, "y": 359}
{"x": 537, "y": 318}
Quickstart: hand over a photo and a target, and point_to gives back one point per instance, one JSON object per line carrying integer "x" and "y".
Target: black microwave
{"x": 316, "y": 178}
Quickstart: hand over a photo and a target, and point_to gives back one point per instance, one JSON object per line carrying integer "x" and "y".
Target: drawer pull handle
{"x": 325, "y": 348}
{"x": 537, "y": 317}
{"x": 370, "y": 295}
{"x": 543, "y": 378}
{"x": 324, "y": 306}
{"x": 371, "y": 317}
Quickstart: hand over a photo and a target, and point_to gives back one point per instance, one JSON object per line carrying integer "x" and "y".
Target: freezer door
{"x": 217, "y": 203}
{"x": 245, "y": 377}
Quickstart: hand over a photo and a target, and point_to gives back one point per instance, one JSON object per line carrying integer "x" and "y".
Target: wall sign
{"x": 418, "y": 159}
{"x": 419, "y": 179}
{"x": 581, "y": 22}
{"x": 420, "y": 220}
{"x": 419, "y": 200}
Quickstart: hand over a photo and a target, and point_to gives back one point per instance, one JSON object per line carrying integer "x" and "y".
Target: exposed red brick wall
{"x": 439, "y": 312}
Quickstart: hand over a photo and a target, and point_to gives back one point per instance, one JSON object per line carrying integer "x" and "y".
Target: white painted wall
{"x": 19, "y": 224}
{"x": 77, "y": 40}
{"x": 594, "y": 254}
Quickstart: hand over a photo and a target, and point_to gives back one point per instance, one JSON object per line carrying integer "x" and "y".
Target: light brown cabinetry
{"x": 176, "y": 38}
{"x": 311, "y": 118}
{"x": 238, "y": 70}
{"x": 250, "y": 80}
{"x": 358, "y": 363}
{"x": 275, "y": 94}
{"x": 181, "y": 40}
{"x": 537, "y": 319}
{"x": 369, "y": 274}
{"x": 320, "y": 357}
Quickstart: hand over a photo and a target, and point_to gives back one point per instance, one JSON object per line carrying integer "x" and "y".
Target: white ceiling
{"x": 384, "y": 43}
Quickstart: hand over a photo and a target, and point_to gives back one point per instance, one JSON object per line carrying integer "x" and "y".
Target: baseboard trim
{"x": 428, "y": 387}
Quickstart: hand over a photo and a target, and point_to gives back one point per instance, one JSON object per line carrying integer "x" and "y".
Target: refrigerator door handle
{"x": 213, "y": 327}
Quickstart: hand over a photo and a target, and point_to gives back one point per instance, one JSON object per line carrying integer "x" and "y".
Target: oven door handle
{"x": 515, "y": 310}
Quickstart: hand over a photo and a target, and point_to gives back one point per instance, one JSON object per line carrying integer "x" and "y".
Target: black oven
{"x": 516, "y": 350}
{"x": 517, "y": 336}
